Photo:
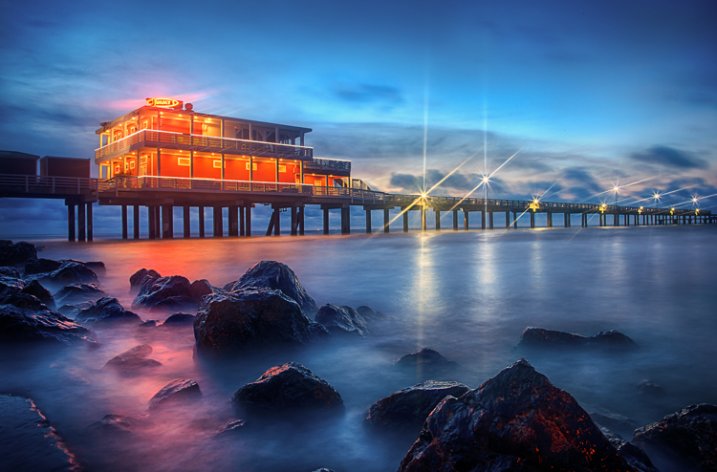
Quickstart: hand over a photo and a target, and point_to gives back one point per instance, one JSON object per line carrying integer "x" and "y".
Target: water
{"x": 468, "y": 295}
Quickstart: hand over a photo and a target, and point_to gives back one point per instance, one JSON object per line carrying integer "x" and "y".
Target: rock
{"x": 28, "y": 442}
{"x": 286, "y": 388}
{"x": 17, "y": 253}
{"x": 250, "y": 318}
{"x": 516, "y": 421}
{"x": 549, "y": 339}
{"x": 22, "y": 326}
{"x": 165, "y": 293}
{"x": 106, "y": 310}
{"x": 133, "y": 359}
{"x": 179, "y": 319}
{"x": 36, "y": 289}
{"x": 78, "y": 293}
{"x": 41, "y": 266}
{"x": 116, "y": 424}
{"x": 614, "y": 422}
{"x": 15, "y": 292}
{"x": 341, "y": 319}
{"x": 231, "y": 427}
{"x": 277, "y": 276}
{"x": 199, "y": 289}
{"x": 688, "y": 436}
{"x": 70, "y": 272}
{"x": 176, "y": 391}
{"x": 408, "y": 408}
{"x": 6, "y": 271}
{"x": 142, "y": 277}
{"x": 633, "y": 455}
{"x": 149, "y": 324}
{"x": 427, "y": 362}
{"x": 323, "y": 469}
{"x": 367, "y": 312}
{"x": 97, "y": 266}
{"x": 650, "y": 389}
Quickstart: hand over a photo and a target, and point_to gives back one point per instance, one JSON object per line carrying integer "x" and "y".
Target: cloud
{"x": 670, "y": 157}
{"x": 370, "y": 94}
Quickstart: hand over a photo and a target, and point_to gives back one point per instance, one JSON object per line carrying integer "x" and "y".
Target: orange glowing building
{"x": 168, "y": 139}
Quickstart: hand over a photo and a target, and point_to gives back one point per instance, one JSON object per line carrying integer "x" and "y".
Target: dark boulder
{"x": 199, "y": 289}
{"x": 341, "y": 319}
{"x": 107, "y": 310}
{"x": 688, "y": 436}
{"x": 516, "y": 421}
{"x": 633, "y": 455}
{"x": 97, "y": 266}
{"x": 6, "y": 271}
{"x": 142, "y": 277}
{"x": 148, "y": 324}
{"x": 70, "y": 272}
{"x": 277, "y": 276}
{"x": 539, "y": 338}
{"x": 650, "y": 389}
{"x": 36, "y": 289}
{"x": 175, "y": 392}
{"x": 41, "y": 266}
{"x": 168, "y": 293}
{"x": 286, "y": 388}
{"x": 116, "y": 424}
{"x": 408, "y": 408}
{"x": 234, "y": 321}
{"x": 132, "y": 360}
{"x": 367, "y": 312}
{"x": 15, "y": 292}
{"x": 426, "y": 362}
{"x": 18, "y": 325}
{"x": 17, "y": 253}
{"x": 622, "y": 425}
{"x": 179, "y": 319}
{"x": 78, "y": 293}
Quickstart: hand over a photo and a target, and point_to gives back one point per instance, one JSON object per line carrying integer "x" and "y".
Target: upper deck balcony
{"x": 192, "y": 142}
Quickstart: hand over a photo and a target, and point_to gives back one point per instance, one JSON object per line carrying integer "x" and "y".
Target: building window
{"x": 282, "y": 168}
{"x": 131, "y": 165}
{"x": 217, "y": 164}
{"x": 183, "y": 161}
{"x": 253, "y": 166}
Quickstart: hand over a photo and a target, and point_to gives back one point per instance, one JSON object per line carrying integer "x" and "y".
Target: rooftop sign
{"x": 162, "y": 102}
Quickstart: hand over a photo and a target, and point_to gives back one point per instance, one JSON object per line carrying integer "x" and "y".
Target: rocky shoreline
{"x": 516, "y": 420}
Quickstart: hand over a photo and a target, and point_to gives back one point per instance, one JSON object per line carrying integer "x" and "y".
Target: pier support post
{"x": 507, "y": 219}
{"x": 201, "y": 222}
{"x": 135, "y": 221}
{"x": 490, "y": 220}
{"x": 302, "y": 212}
{"x": 466, "y": 220}
{"x": 566, "y": 219}
{"x": 405, "y": 220}
{"x": 294, "y": 230}
{"x": 81, "y": 235}
{"x": 242, "y": 221}
{"x": 70, "y": 222}
{"x": 482, "y": 219}
{"x": 124, "y": 222}
{"x": 218, "y": 222}
{"x": 386, "y": 221}
{"x": 346, "y": 219}
{"x": 233, "y": 221}
{"x": 185, "y": 221}
{"x": 90, "y": 223}
{"x": 368, "y": 221}
{"x": 515, "y": 219}
{"x": 438, "y": 219}
{"x": 247, "y": 215}
{"x": 167, "y": 222}
{"x": 549, "y": 218}
{"x": 150, "y": 222}
{"x": 532, "y": 219}
{"x": 157, "y": 222}
{"x": 616, "y": 219}
{"x": 326, "y": 220}
{"x": 455, "y": 220}
{"x": 423, "y": 219}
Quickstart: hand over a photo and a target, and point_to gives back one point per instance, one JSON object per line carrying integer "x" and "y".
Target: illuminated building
{"x": 168, "y": 139}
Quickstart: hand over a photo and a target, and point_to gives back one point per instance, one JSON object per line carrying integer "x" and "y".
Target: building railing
{"x": 46, "y": 185}
{"x": 195, "y": 142}
{"x": 327, "y": 165}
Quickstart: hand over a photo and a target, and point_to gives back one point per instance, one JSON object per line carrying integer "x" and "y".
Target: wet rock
{"x": 199, "y": 289}
{"x": 539, "y": 338}
{"x": 614, "y": 422}
{"x": 133, "y": 359}
{"x": 289, "y": 387}
{"x": 6, "y": 271}
{"x": 107, "y": 310}
{"x": 28, "y": 442}
{"x": 516, "y": 421}
{"x": 231, "y": 427}
{"x": 688, "y": 436}
{"x": 97, "y": 266}
{"x": 36, "y": 289}
{"x": 15, "y": 292}
{"x": 142, "y": 277}
{"x": 633, "y": 455}
{"x": 116, "y": 424}
{"x": 427, "y": 362}
{"x": 18, "y": 325}
{"x": 165, "y": 293}
{"x": 250, "y": 318}
{"x": 341, "y": 319}
{"x": 367, "y": 312}
{"x": 650, "y": 389}
{"x": 408, "y": 408}
{"x": 148, "y": 324}
{"x": 277, "y": 276}
{"x": 41, "y": 266}
{"x": 16, "y": 253}
{"x": 70, "y": 272}
{"x": 179, "y": 319}
{"x": 78, "y": 293}
{"x": 176, "y": 391}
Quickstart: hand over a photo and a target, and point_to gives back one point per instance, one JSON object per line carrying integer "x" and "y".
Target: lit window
{"x": 217, "y": 164}
{"x": 183, "y": 161}
{"x": 282, "y": 168}
{"x": 131, "y": 165}
{"x": 253, "y": 166}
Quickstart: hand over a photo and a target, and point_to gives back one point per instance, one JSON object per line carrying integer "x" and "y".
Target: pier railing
{"x": 50, "y": 186}
{"x": 201, "y": 143}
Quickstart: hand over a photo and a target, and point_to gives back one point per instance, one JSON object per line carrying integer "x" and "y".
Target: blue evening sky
{"x": 592, "y": 93}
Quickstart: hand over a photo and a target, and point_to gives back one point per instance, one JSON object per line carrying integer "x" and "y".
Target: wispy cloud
{"x": 669, "y": 157}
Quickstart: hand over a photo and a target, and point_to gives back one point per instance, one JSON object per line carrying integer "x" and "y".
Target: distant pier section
{"x": 165, "y": 155}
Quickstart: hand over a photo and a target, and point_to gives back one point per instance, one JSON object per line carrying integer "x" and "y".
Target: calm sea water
{"x": 468, "y": 295}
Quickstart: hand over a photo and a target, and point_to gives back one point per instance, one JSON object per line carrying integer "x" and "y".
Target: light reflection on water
{"x": 468, "y": 295}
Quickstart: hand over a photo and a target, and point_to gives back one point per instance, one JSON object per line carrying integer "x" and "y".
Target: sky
{"x": 591, "y": 94}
